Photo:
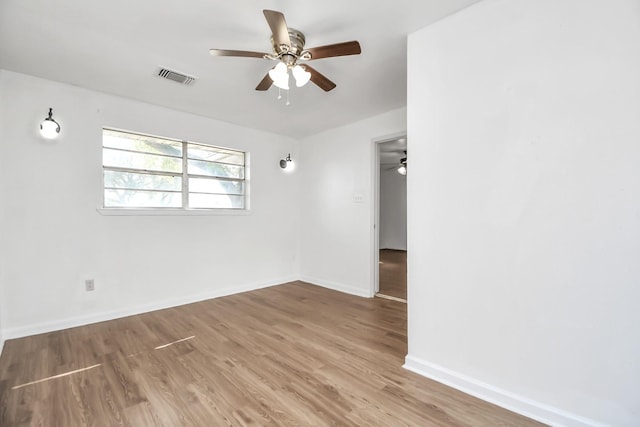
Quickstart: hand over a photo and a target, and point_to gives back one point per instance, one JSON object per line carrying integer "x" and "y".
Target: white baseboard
{"x": 72, "y": 322}
{"x": 519, "y": 404}
{"x": 338, "y": 287}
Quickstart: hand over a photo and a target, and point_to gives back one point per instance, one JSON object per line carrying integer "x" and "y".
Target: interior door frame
{"x": 375, "y": 211}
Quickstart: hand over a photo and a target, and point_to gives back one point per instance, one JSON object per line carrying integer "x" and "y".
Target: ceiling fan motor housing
{"x": 290, "y": 54}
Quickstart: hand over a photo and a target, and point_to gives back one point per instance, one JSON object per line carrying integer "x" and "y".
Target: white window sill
{"x": 171, "y": 212}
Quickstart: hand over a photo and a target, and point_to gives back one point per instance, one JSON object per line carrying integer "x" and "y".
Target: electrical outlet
{"x": 90, "y": 285}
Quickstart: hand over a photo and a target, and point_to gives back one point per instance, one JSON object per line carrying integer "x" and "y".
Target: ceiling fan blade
{"x": 338, "y": 49}
{"x": 319, "y": 79}
{"x": 241, "y": 53}
{"x": 278, "y": 27}
{"x": 265, "y": 83}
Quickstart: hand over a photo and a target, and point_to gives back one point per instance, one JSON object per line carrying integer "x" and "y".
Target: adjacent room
{"x": 391, "y": 218}
{"x": 320, "y": 213}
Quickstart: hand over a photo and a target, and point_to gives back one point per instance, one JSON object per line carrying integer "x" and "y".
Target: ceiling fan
{"x": 288, "y": 48}
{"x": 402, "y": 167}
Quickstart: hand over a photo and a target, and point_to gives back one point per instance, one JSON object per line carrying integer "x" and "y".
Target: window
{"x": 142, "y": 171}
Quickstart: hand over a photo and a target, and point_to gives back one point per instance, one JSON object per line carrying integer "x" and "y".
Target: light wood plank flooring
{"x": 393, "y": 273}
{"x": 294, "y": 354}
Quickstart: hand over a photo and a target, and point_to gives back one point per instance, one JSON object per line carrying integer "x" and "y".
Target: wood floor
{"x": 393, "y": 273}
{"x": 294, "y": 354}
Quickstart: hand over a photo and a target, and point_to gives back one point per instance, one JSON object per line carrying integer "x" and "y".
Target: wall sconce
{"x": 49, "y": 128}
{"x": 287, "y": 163}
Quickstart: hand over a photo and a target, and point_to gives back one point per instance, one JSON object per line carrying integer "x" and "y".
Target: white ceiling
{"x": 117, "y": 46}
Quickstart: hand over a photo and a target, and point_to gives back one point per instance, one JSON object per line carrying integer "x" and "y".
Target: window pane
{"x": 141, "y": 199}
{"x": 216, "y": 186}
{"x": 197, "y": 167}
{"x": 214, "y": 154}
{"x": 218, "y": 201}
{"x": 141, "y": 181}
{"x": 128, "y": 160}
{"x": 141, "y": 171}
{"x": 147, "y": 144}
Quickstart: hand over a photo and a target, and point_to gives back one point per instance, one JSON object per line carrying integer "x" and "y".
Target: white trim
{"x": 522, "y": 405}
{"x": 170, "y": 212}
{"x": 375, "y": 218}
{"x": 347, "y": 289}
{"x": 72, "y": 322}
{"x": 1, "y": 343}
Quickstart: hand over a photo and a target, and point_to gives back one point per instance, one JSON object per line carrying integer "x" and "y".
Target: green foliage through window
{"x": 143, "y": 171}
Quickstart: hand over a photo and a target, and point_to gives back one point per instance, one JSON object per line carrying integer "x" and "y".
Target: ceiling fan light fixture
{"x": 280, "y": 76}
{"x": 402, "y": 169}
{"x": 301, "y": 76}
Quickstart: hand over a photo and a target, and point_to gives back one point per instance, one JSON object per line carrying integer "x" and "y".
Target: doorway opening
{"x": 390, "y": 270}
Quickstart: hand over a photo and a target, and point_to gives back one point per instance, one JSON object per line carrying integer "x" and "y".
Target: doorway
{"x": 391, "y": 218}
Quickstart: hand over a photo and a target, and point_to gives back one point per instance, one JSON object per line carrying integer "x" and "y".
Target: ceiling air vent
{"x": 165, "y": 73}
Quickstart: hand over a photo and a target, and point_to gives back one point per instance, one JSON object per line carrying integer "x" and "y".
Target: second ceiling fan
{"x": 288, "y": 48}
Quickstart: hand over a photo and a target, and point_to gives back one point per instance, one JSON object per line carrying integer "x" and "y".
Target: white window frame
{"x": 184, "y": 209}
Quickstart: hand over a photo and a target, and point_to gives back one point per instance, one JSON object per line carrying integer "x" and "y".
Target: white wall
{"x": 337, "y": 168}
{"x": 393, "y": 209}
{"x": 2, "y": 202}
{"x": 53, "y": 238}
{"x": 524, "y": 206}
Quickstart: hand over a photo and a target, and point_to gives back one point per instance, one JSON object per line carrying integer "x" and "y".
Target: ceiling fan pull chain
{"x": 279, "y": 94}
{"x": 287, "y": 103}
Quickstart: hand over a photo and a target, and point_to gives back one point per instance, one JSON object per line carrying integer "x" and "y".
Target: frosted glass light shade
{"x": 49, "y": 128}
{"x": 287, "y": 163}
{"x": 301, "y": 76}
{"x": 280, "y": 76}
